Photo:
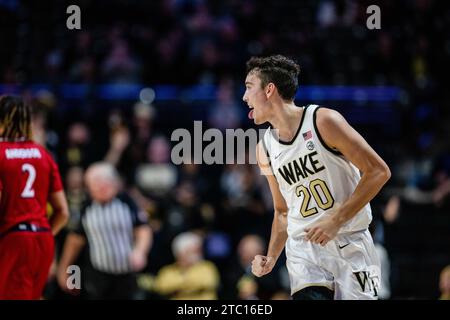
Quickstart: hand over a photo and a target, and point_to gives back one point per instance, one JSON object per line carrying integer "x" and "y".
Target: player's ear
{"x": 269, "y": 90}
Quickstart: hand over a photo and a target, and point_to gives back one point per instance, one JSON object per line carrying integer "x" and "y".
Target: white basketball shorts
{"x": 348, "y": 265}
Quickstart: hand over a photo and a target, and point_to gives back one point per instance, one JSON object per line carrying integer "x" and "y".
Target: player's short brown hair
{"x": 280, "y": 70}
{"x": 15, "y": 118}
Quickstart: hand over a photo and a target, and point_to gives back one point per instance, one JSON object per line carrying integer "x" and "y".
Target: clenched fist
{"x": 262, "y": 265}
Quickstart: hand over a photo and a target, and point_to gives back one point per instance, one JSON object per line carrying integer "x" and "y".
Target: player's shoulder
{"x": 327, "y": 117}
{"x": 327, "y": 113}
{"x": 332, "y": 129}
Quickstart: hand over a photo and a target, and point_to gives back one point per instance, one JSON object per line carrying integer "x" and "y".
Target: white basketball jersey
{"x": 313, "y": 178}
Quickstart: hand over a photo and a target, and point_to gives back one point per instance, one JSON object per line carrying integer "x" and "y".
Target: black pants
{"x": 104, "y": 286}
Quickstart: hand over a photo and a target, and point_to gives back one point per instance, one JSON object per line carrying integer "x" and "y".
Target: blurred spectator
{"x": 243, "y": 201}
{"x": 118, "y": 237}
{"x": 239, "y": 282}
{"x": 191, "y": 172}
{"x": 226, "y": 114}
{"x": 444, "y": 283}
{"x": 38, "y": 126}
{"x": 190, "y": 277}
{"x": 76, "y": 195}
{"x": 44, "y": 104}
{"x": 141, "y": 130}
{"x": 78, "y": 150}
{"x": 157, "y": 176}
{"x": 119, "y": 141}
{"x": 84, "y": 71}
{"x": 186, "y": 211}
{"x": 234, "y": 183}
{"x": 119, "y": 66}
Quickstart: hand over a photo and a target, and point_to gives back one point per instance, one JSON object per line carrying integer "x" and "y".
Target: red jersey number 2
{"x": 28, "y": 191}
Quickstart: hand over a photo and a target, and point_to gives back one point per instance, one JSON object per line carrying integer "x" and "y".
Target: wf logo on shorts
{"x": 368, "y": 281}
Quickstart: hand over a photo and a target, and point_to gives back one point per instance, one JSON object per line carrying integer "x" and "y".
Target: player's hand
{"x": 138, "y": 260}
{"x": 262, "y": 265}
{"x": 323, "y": 230}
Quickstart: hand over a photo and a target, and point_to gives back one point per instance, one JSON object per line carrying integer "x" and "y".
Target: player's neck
{"x": 286, "y": 120}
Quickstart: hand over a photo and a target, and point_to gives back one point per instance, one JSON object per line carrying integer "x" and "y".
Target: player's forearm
{"x": 368, "y": 187}
{"x": 278, "y": 235}
{"x": 60, "y": 214}
{"x": 58, "y": 220}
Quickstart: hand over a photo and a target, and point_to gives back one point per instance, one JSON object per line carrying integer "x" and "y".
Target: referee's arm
{"x": 143, "y": 241}
{"x": 143, "y": 236}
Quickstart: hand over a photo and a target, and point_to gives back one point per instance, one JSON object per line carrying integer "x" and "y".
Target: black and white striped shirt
{"x": 109, "y": 231}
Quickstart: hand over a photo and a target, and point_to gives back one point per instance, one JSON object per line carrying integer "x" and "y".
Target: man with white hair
{"x": 191, "y": 277}
{"x": 118, "y": 235}
{"x": 187, "y": 247}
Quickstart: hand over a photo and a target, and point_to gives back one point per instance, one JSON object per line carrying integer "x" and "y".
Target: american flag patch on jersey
{"x": 307, "y": 135}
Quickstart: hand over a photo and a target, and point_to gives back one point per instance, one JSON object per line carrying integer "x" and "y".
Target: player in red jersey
{"x": 28, "y": 179}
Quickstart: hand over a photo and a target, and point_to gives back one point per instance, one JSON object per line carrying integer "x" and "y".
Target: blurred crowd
{"x": 208, "y": 222}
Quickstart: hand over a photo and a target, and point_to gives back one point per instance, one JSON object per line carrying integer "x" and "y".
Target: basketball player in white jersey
{"x": 322, "y": 175}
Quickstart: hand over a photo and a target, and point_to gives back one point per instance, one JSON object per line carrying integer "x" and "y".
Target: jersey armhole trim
{"x": 333, "y": 151}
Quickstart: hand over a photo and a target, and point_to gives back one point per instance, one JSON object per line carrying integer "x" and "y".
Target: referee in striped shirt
{"x": 117, "y": 235}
